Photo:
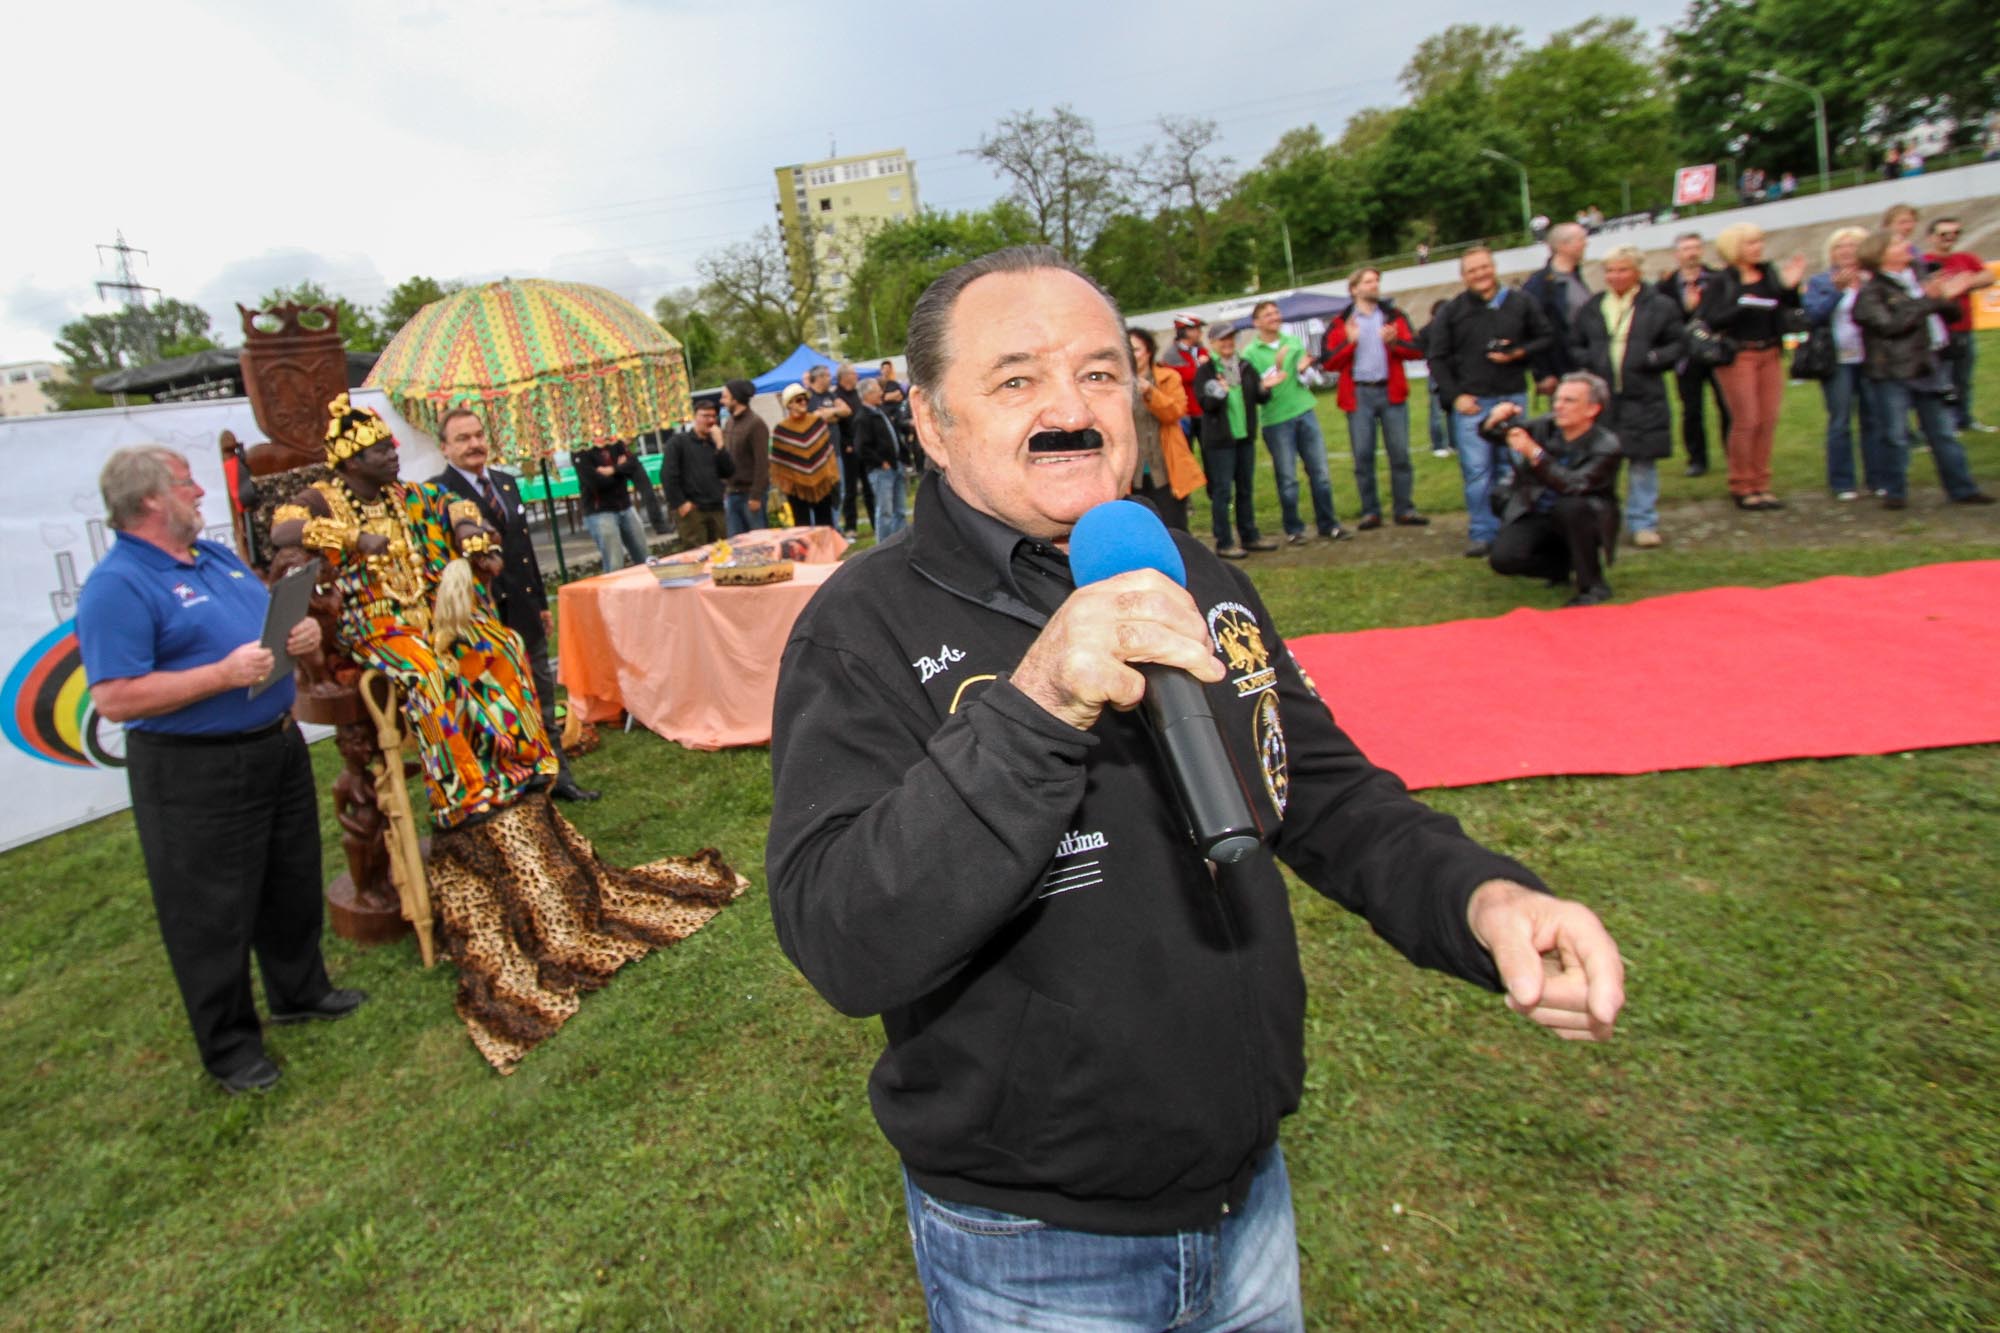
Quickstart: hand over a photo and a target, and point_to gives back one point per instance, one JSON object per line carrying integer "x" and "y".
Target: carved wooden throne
{"x": 291, "y": 372}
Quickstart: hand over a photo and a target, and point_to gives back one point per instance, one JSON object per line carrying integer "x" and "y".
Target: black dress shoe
{"x": 1697, "y": 469}
{"x": 256, "y": 1076}
{"x": 567, "y": 790}
{"x": 334, "y": 1004}
{"x": 1976, "y": 498}
{"x": 1591, "y": 596}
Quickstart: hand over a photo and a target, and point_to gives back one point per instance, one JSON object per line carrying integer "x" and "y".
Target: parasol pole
{"x": 555, "y": 528}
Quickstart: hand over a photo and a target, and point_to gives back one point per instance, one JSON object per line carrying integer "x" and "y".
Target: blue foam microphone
{"x": 1115, "y": 538}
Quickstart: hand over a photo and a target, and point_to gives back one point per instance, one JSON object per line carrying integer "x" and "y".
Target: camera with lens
{"x": 1500, "y": 345}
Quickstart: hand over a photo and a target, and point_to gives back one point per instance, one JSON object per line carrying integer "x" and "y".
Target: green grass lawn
{"x": 1797, "y": 1126}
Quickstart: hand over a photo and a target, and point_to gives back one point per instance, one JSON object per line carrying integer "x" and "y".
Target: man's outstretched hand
{"x": 1559, "y": 964}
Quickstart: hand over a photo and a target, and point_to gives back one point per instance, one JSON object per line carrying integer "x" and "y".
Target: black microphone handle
{"x": 1211, "y": 797}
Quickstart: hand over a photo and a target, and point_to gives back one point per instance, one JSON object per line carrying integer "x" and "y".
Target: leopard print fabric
{"x": 534, "y": 918}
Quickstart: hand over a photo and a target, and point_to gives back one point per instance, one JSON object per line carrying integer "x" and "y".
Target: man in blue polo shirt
{"x": 222, "y": 786}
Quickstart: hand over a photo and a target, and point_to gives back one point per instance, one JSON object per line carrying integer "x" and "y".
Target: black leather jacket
{"x": 1895, "y": 329}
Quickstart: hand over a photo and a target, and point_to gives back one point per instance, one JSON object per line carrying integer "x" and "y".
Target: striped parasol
{"x": 549, "y": 365}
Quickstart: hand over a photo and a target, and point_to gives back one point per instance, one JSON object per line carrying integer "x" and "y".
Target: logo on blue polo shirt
{"x": 189, "y": 594}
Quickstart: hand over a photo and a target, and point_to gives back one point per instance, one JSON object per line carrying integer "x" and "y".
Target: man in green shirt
{"x": 1291, "y": 428}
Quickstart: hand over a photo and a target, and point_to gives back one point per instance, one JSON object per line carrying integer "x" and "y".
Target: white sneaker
{"x": 1847, "y": 495}
{"x": 1647, "y": 538}
{"x": 1981, "y": 428}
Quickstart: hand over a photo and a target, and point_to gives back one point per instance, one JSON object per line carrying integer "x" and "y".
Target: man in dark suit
{"x": 1685, "y": 287}
{"x": 523, "y": 602}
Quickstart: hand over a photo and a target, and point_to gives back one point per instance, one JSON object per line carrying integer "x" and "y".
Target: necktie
{"x": 492, "y": 494}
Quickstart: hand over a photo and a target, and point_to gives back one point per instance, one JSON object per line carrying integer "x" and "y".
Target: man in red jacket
{"x": 1184, "y": 357}
{"x": 1367, "y": 343}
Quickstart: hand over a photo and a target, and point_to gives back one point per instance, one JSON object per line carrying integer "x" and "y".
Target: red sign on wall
{"x": 1694, "y": 185}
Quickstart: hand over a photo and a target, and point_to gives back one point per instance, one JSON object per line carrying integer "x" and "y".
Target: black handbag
{"x": 1816, "y": 358}
{"x": 1706, "y": 347}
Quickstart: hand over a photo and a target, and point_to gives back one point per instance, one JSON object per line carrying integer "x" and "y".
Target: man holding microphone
{"x": 222, "y": 787}
{"x": 1093, "y": 1034}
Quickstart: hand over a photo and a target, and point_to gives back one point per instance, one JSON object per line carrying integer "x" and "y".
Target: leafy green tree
{"x": 408, "y": 297}
{"x": 359, "y": 330}
{"x": 678, "y": 314}
{"x": 1442, "y": 59}
{"x": 760, "y": 295}
{"x": 903, "y": 257}
{"x": 1882, "y": 66}
{"x": 1428, "y": 168}
{"x": 1058, "y": 175}
{"x": 1321, "y": 194}
{"x": 94, "y": 345}
{"x": 1590, "y": 116}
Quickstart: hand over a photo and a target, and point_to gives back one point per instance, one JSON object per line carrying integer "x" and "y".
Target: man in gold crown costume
{"x": 388, "y": 545}
{"x": 531, "y": 916}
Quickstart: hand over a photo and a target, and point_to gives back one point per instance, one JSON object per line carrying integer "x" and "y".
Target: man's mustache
{"x": 1086, "y": 440}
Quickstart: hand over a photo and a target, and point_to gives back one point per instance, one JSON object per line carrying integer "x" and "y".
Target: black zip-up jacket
{"x": 1458, "y": 339}
{"x": 1084, "y": 1025}
{"x": 693, "y": 470}
{"x": 1895, "y": 329}
{"x": 608, "y": 495}
{"x": 1215, "y": 422}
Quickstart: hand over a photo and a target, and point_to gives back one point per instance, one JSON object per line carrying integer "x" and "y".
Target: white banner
{"x": 62, "y": 764}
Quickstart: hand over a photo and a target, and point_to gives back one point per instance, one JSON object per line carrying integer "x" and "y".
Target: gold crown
{"x": 351, "y": 429}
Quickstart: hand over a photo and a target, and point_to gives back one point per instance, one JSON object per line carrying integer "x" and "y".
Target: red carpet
{"x": 1726, "y": 676}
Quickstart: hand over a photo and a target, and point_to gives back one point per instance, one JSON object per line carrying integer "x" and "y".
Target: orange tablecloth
{"x": 698, "y": 665}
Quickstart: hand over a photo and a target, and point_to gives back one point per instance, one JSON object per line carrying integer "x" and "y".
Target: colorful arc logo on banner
{"x": 45, "y": 708}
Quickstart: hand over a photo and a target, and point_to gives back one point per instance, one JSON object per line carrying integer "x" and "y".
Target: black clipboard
{"x": 290, "y": 597}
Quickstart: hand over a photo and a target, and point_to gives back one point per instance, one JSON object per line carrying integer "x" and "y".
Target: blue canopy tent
{"x": 1295, "y": 308}
{"x": 792, "y": 370}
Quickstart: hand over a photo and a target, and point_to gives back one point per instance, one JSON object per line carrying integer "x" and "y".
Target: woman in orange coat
{"x": 1167, "y": 472}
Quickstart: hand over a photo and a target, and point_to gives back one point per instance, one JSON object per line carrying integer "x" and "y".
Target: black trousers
{"x": 1173, "y": 510}
{"x": 536, "y": 646}
{"x": 1694, "y": 427}
{"x": 1568, "y": 539}
{"x": 852, "y": 484}
{"x": 230, "y": 834}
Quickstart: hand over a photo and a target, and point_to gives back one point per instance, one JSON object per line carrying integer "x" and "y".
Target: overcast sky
{"x": 603, "y": 141}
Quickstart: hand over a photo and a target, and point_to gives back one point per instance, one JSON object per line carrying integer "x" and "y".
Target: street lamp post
{"x": 1285, "y": 231}
{"x": 1527, "y": 207}
{"x": 1819, "y": 111}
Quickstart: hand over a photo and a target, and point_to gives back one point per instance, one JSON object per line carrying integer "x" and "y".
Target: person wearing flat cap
{"x": 1184, "y": 356}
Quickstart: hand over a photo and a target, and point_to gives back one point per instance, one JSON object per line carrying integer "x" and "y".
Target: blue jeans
{"x": 1372, "y": 407}
{"x": 1440, "y": 417}
{"x": 737, "y": 516}
{"x": 613, "y": 529}
{"x": 1848, "y": 414}
{"x": 983, "y": 1269}
{"x": 1291, "y": 442}
{"x": 1642, "y": 501}
{"x": 1892, "y": 401}
{"x": 886, "y": 485}
{"x": 1483, "y": 464}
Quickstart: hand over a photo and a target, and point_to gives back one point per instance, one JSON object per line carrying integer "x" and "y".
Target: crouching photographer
{"x": 1559, "y": 514}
